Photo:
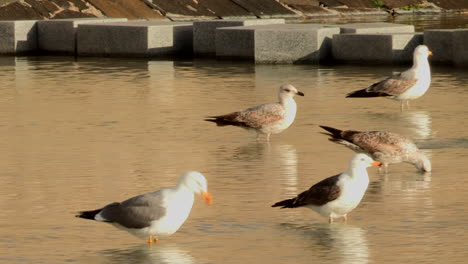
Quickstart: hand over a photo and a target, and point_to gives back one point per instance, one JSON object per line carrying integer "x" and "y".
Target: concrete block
{"x": 204, "y": 32}
{"x": 460, "y": 47}
{"x": 141, "y": 39}
{"x": 287, "y": 43}
{"x": 376, "y": 48}
{"x": 440, "y": 42}
{"x": 375, "y": 28}
{"x": 59, "y": 35}
{"x": 18, "y": 37}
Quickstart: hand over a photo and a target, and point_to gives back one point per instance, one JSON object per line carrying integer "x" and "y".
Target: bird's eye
{"x": 362, "y": 159}
{"x": 287, "y": 90}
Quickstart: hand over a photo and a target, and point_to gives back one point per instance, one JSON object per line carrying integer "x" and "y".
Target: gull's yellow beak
{"x": 376, "y": 163}
{"x": 430, "y": 53}
{"x": 207, "y": 196}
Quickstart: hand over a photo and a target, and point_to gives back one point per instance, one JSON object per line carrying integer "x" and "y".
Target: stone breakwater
{"x": 216, "y": 9}
{"x": 256, "y": 40}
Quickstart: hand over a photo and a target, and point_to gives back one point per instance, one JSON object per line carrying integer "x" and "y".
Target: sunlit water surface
{"x": 77, "y": 134}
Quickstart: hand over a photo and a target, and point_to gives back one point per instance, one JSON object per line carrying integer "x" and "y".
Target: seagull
{"x": 386, "y": 147}
{"x": 267, "y": 119}
{"x": 336, "y": 196}
{"x": 156, "y": 214}
{"x": 405, "y": 86}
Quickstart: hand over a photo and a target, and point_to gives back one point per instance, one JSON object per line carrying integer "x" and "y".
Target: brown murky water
{"x": 75, "y": 135}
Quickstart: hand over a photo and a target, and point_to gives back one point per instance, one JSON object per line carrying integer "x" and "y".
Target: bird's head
{"x": 422, "y": 51}
{"x": 287, "y": 91}
{"x": 196, "y": 182}
{"x": 422, "y": 163}
{"x": 363, "y": 160}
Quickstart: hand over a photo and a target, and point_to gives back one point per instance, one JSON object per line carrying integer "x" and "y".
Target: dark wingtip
{"x": 284, "y": 204}
{"x": 358, "y": 93}
{"x": 88, "y": 214}
{"x": 364, "y": 94}
{"x": 326, "y": 127}
{"x": 333, "y": 131}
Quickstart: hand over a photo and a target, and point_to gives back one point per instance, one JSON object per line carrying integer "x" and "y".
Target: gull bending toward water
{"x": 267, "y": 119}
{"x": 157, "y": 214}
{"x": 405, "y": 86}
{"x": 336, "y": 196}
{"x": 386, "y": 147}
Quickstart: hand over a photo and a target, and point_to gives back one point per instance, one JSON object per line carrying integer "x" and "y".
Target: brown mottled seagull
{"x": 266, "y": 119}
{"x": 405, "y": 86}
{"x": 157, "y": 214}
{"x": 336, "y": 196}
{"x": 386, "y": 147}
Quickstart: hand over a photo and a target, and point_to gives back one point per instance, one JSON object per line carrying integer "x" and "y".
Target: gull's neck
{"x": 421, "y": 64}
{"x": 357, "y": 172}
{"x": 181, "y": 186}
{"x": 284, "y": 100}
{"x": 420, "y": 160}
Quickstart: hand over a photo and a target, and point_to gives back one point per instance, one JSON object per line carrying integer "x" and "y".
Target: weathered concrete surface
{"x": 460, "y": 50}
{"x": 47, "y": 9}
{"x": 287, "y": 43}
{"x": 307, "y": 7}
{"x": 131, "y": 9}
{"x": 135, "y": 39}
{"x": 375, "y": 28}
{"x": 59, "y": 35}
{"x": 212, "y": 9}
{"x": 18, "y": 11}
{"x": 375, "y": 48}
{"x": 18, "y": 37}
{"x": 184, "y": 9}
{"x": 446, "y": 4}
{"x": 266, "y": 8}
{"x": 451, "y": 4}
{"x": 204, "y": 32}
{"x": 349, "y": 3}
{"x": 440, "y": 42}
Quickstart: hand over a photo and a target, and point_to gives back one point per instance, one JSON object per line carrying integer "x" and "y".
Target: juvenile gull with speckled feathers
{"x": 386, "y": 147}
{"x": 268, "y": 119}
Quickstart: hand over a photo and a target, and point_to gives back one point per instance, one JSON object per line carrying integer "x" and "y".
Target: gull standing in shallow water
{"x": 336, "y": 196}
{"x": 267, "y": 119}
{"x": 405, "y": 86}
{"x": 157, "y": 214}
{"x": 386, "y": 147}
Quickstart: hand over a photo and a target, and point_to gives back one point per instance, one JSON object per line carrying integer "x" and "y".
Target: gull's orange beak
{"x": 430, "y": 53}
{"x": 376, "y": 163}
{"x": 207, "y": 196}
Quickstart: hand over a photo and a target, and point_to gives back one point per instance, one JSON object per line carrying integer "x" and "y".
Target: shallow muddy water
{"x": 77, "y": 134}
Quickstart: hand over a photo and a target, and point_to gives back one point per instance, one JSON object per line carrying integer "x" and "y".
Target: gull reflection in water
{"x": 351, "y": 243}
{"x": 143, "y": 254}
{"x": 286, "y": 156}
{"x": 265, "y": 157}
{"x": 414, "y": 124}
{"x": 339, "y": 242}
{"x": 419, "y": 122}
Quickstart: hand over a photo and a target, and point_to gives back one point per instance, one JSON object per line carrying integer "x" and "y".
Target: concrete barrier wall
{"x": 261, "y": 41}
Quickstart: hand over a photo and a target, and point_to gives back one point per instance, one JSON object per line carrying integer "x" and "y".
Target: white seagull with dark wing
{"x": 157, "y": 214}
{"x": 386, "y": 147}
{"x": 405, "y": 86}
{"x": 336, "y": 196}
{"x": 267, "y": 119}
